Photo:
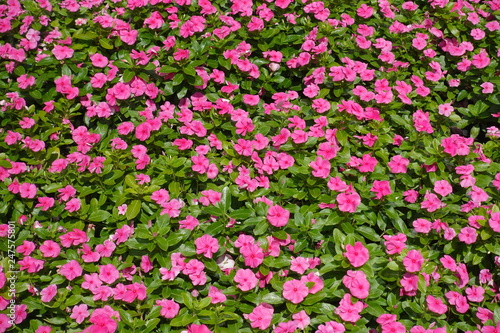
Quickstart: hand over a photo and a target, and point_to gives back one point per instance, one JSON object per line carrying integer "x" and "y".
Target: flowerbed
{"x": 241, "y": 166}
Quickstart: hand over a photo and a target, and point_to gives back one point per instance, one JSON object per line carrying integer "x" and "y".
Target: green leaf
{"x": 104, "y": 42}
{"x": 5, "y": 164}
{"x": 314, "y": 298}
{"x": 99, "y": 216}
{"x": 133, "y": 209}
{"x": 162, "y": 242}
{"x": 168, "y": 69}
{"x": 151, "y": 325}
{"x": 56, "y": 320}
{"x": 242, "y": 214}
{"x": 128, "y": 75}
{"x": 273, "y": 298}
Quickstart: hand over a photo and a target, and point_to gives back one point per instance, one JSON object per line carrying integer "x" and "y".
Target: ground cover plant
{"x": 247, "y": 166}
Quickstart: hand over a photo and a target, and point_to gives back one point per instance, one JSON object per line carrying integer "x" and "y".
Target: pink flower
{"x": 253, "y": 254}
{"x": 71, "y": 270}
{"x": 45, "y": 203}
{"x": 301, "y": 319}
{"x": 62, "y": 52}
{"x": 357, "y": 255}
{"x": 195, "y": 328}
{"x": 98, "y": 60}
{"x": 27, "y": 190}
{"x": 295, "y": 291}
{"x": 321, "y": 167}
{"x": 79, "y": 313}
{"x": 108, "y": 273}
{"x": 442, "y": 187}
{"x": 348, "y": 201}
{"x": 299, "y": 265}
{"x": 409, "y": 284}
{"x": 494, "y": 222}
{"x": 181, "y": 54}
{"x": 487, "y": 87}
{"x": 365, "y": 11}
{"x": 251, "y": 99}
{"x": 468, "y": 235}
{"x": 216, "y": 295}
{"x": 398, "y": 164}
{"x": 245, "y": 279}
{"x": 431, "y": 202}
{"x": 73, "y": 205}
{"x": 190, "y": 222}
{"x": 169, "y": 308}
{"x": 5, "y": 322}
{"x": 206, "y": 245}
{"x": 349, "y": 311}
{"x": 357, "y": 283}
{"x": 48, "y": 293}
{"x": 261, "y": 316}
{"x": 481, "y": 60}
{"x": 50, "y": 249}
{"x": 422, "y": 225}
{"x": 381, "y": 188}
{"x": 413, "y": 261}
{"x": 445, "y": 109}
{"x": 278, "y": 216}
{"x": 475, "y": 293}
{"x": 436, "y": 305}
{"x": 422, "y": 122}
{"x": 449, "y": 263}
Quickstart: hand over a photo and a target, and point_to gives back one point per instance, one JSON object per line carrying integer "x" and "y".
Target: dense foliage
{"x": 244, "y": 166}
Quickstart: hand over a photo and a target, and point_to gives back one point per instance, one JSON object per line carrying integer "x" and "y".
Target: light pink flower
{"x": 295, "y": 291}
{"x": 261, "y": 316}
{"x": 169, "y": 308}
{"x": 246, "y": 279}
{"x": 79, "y": 313}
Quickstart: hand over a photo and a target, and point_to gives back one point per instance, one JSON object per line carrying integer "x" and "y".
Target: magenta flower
{"x": 357, "y": 255}
{"x": 398, "y": 164}
{"x": 436, "y": 305}
{"x": 413, "y": 261}
{"x": 73, "y": 205}
{"x": 348, "y": 201}
{"x": 27, "y": 190}
{"x": 206, "y": 245}
{"x": 321, "y": 167}
{"x": 278, "y": 216}
{"x": 381, "y": 188}
{"x": 71, "y": 270}
{"x": 48, "y": 293}
{"x": 62, "y": 52}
